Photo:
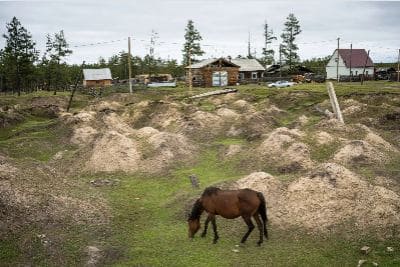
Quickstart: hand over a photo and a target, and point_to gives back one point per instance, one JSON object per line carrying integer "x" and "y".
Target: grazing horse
{"x": 229, "y": 204}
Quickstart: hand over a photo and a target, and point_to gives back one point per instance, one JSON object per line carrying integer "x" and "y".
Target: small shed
{"x": 250, "y": 69}
{"x": 213, "y": 72}
{"x": 97, "y": 77}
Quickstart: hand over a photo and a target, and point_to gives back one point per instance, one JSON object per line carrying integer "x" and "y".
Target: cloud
{"x": 224, "y": 25}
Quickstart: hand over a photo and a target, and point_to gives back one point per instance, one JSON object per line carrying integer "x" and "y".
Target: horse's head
{"x": 194, "y": 226}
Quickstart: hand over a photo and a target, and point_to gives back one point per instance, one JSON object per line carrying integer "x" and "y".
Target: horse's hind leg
{"x": 250, "y": 225}
{"x": 214, "y": 224}
{"x": 260, "y": 228}
{"x": 203, "y": 234}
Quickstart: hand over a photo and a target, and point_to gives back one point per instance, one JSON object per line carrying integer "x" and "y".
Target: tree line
{"x": 24, "y": 69}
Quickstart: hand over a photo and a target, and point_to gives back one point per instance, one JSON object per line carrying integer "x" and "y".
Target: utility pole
{"x": 190, "y": 71}
{"x": 249, "y": 48}
{"x": 78, "y": 77}
{"x": 398, "y": 67}
{"x": 337, "y": 60}
{"x": 365, "y": 65}
{"x": 280, "y": 61}
{"x": 351, "y": 51}
{"x": 129, "y": 65}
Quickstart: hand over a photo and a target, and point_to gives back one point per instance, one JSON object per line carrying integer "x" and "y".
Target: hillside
{"x": 108, "y": 182}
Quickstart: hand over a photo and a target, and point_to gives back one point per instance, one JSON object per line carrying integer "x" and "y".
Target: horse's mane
{"x": 209, "y": 191}
{"x": 196, "y": 210}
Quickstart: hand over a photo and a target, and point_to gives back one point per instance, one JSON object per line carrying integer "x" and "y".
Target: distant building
{"x": 97, "y": 77}
{"x": 213, "y": 72}
{"x": 250, "y": 69}
{"x": 354, "y": 59}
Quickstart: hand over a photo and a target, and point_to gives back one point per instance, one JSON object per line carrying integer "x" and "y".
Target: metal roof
{"x": 97, "y": 74}
{"x": 359, "y": 58}
{"x": 247, "y": 64}
{"x": 208, "y": 61}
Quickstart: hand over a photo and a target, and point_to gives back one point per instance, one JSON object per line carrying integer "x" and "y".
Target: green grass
{"x": 150, "y": 224}
{"x": 36, "y": 137}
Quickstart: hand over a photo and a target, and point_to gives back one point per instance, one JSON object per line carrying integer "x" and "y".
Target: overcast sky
{"x": 224, "y": 25}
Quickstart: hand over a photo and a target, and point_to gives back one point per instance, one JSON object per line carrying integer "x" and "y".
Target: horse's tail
{"x": 262, "y": 210}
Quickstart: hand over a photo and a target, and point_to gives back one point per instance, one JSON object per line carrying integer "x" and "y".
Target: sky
{"x": 97, "y": 29}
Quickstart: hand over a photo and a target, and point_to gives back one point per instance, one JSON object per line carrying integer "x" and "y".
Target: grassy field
{"x": 148, "y": 226}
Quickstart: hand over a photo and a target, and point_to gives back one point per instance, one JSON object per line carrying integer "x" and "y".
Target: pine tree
{"x": 268, "y": 53}
{"x": 289, "y": 48}
{"x": 18, "y": 55}
{"x": 59, "y": 52}
{"x": 192, "y": 43}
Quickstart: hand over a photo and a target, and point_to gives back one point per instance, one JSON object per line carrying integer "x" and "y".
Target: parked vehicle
{"x": 280, "y": 84}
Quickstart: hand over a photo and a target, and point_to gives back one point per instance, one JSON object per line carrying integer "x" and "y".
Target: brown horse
{"x": 229, "y": 204}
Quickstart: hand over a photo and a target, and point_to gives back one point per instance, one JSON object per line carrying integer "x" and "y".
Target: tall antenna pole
{"x": 351, "y": 51}
{"x": 280, "y": 61}
{"x": 129, "y": 65}
{"x": 337, "y": 60}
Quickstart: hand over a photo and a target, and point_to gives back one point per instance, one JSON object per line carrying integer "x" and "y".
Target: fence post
{"x": 334, "y": 102}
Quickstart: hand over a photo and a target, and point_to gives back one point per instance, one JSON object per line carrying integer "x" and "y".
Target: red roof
{"x": 358, "y": 58}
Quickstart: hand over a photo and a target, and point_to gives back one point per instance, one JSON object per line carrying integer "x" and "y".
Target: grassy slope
{"x": 149, "y": 225}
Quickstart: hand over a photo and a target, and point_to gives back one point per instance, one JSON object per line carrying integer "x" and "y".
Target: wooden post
{"x": 334, "y": 102}
{"x": 129, "y": 65}
{"x": 337, "y": 61}
{"x": 365, "y": 65}
{"x": 75, "y": 86}
{"x": 398, "y": 67}
{"x": 190, "y": 71}
{"x": 351, "y": 51}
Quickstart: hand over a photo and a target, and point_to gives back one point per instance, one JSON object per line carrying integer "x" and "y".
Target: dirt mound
{"x": 282, "y": 146}
{"x": 324, "y": 138}
{"x": 226, "y": 113}
{"x": 104, "y": 106}
{"x": 83, "y": 135}
{"x": 114, "y": 151}
{"x": 330, "y": 196}
{"x": 37, "y": 196}
{"x": 9, "y": 115}
{"x": 359, "y": 152}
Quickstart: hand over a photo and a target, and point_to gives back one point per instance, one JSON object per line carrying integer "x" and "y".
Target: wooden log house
{"x": 213, "y": 72}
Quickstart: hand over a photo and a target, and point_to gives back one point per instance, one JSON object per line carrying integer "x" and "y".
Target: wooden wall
{"x": 203, "y": 77}
{"x": 97, "y": 83}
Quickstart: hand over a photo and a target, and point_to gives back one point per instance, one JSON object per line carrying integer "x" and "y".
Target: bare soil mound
{"x": 38, "y": 197}
{"x": 359, "y": 152}
{"x": 282, "y": 146}
{"x": 328, "y": 197}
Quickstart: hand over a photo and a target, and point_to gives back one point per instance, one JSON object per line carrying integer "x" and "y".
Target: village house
{"x": 353, "y": 60}
{"x": 250, "y": 69}
{"x": 213, "y": 72}
{"x": 97, "y": 77}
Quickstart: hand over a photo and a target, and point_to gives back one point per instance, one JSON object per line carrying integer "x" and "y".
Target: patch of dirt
{"x": 329, "y": 196}
{"x": 356, "y": 152}
{"x": 233, "y": 150}
{"x": 283, "y": 148}
{"x": 324, "y": 138}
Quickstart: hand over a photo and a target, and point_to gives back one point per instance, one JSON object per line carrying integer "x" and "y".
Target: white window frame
{"x": 254, "y": 75}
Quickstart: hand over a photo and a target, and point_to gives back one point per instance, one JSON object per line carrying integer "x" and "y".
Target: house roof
{"x": 208, "y": 61}
{"x": 358, "y": 58}
{"x": 247, "y": 64}
{"x": 97, "y": 74}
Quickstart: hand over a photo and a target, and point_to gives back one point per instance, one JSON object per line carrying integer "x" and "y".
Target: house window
{"x": 366, "y": 73}
{"x": 254, "y": 75}
{"x": 241, "y": 76}
{"x": 356, "y": 72}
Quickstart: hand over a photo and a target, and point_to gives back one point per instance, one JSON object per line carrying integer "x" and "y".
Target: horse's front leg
{"x": 214, "y": 224}
{"x": 203, "y": 234}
